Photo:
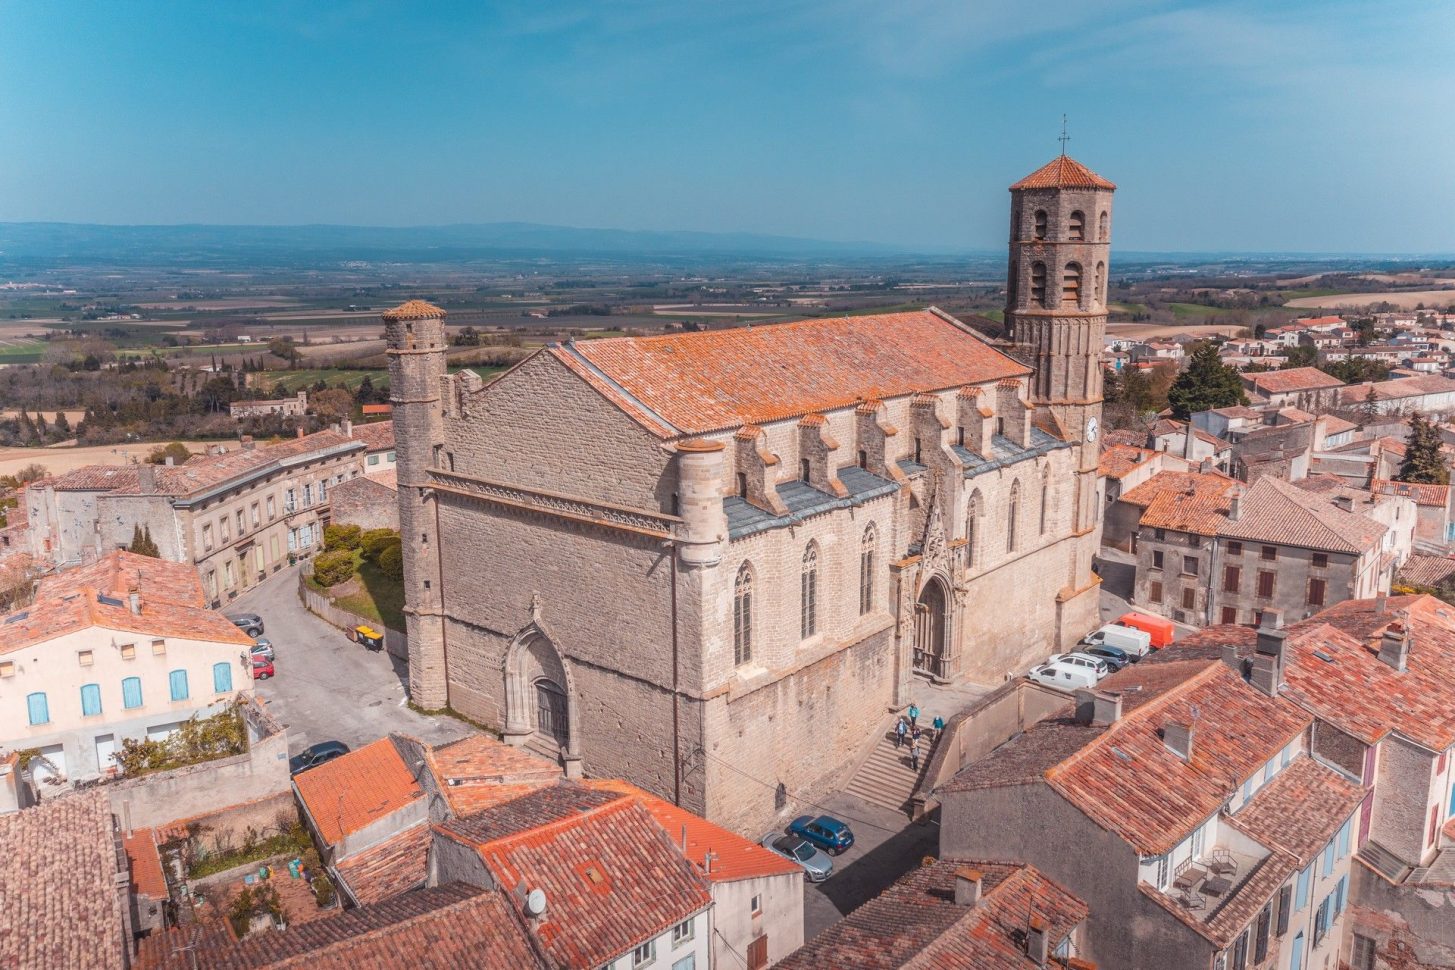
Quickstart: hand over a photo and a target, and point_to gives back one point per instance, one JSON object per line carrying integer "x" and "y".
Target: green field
{"x": 1194, "y": 310}
{"x": 304, "y": 378}
{"x": 27, "y": 352}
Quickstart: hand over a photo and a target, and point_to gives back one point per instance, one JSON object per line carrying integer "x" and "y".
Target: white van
{"x": 1064, "y": 675}
{"x": 1136, "y": 643}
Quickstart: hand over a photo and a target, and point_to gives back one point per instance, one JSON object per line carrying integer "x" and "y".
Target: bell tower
{"x": 1055, "y": 309}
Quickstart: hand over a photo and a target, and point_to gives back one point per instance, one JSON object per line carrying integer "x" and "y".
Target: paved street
{"x": 327, "y": 687}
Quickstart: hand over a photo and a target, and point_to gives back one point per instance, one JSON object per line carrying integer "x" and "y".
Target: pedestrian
{"x": 939, "y": 725}
{"x": 914, "y": 754}
{"x": 899, "y": 731}
{"x": 915, "y": 734}
{"x": 913, "y": 713}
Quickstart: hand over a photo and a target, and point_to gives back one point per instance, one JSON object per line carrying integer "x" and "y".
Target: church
{"x": 717, "y": 563}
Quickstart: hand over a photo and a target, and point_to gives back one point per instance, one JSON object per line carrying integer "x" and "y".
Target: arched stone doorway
{"x": 541, "y": 708}
{"x": 932, "y": 630}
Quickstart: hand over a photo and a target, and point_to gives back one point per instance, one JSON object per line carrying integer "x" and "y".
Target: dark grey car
{"x": 249, "y": 623}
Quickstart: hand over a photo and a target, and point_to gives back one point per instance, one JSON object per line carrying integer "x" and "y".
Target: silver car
{"x": 262, "y": 647}
{"x": 816, "y": 865}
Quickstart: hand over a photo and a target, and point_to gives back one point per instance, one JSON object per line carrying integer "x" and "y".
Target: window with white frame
{"x": 644, "y": 954}
{"x": 682, "y": 932}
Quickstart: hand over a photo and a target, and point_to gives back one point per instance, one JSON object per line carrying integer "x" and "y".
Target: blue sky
{"x": 1294, "y": 126}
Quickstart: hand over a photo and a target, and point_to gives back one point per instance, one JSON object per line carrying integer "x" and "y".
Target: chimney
{"x": 967, "y": 887}
{"x": 1038, "y": 944}
{"x": 348, "y": 428}
{"x": 1394, "y": 646}
{"x": 1235, "y": 505}
{"x": 1344, "y": 502}
{"x": 1187, "y": 440}
{"x": 1178, "y": 738}
{"x": 1381, "y": 602}
{"x": 146, "y": 475}
{"x": 1231, "y": 659}
{"x": 1097, "y": 706}
{"x": 170, "y": 461}
{"x": 300, "y": 431}
{"x": 1268, "y": 655}
{"x": 134, "y": 597}
{"x": 1206, "y": 466}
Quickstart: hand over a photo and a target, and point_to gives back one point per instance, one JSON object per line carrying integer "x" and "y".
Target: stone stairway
{"x": 886, "y": 778}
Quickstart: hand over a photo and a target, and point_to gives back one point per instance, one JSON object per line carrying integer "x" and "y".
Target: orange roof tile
{"x": 691, "y": 383}
{"x": 356, "y": 789}
{"x": 1063, "y": 172}
{"x": 1117, "y": 460}
{"x": 479, "y": 772}
{"x": 146, "y": 864}
{"x": 376, "y": 435}
{"x": 1300, "y": 810}
{"x": 1435, "y": 496}
{"x": 1293, "y": 379}
{"x": 413, "y": 310}
{"x": 396, "y": 865}
{"x": 1280, "y": 512}
{"x": 1184, "y": 501}
{"x": 733, "y": 857}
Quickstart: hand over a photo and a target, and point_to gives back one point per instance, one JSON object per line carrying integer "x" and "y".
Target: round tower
{"x": 699, "y": 501}
{"x": 415, "y": 337}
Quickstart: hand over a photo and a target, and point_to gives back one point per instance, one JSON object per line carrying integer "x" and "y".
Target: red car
{"x": 262, "y": 669}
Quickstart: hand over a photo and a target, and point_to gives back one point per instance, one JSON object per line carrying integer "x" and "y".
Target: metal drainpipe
{"x": 439, "y": 558}
{"x": 1212, "y": 571}
{"x": 676, "y": 704}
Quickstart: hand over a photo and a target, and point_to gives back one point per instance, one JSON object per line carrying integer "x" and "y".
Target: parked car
{"x": 262, "y": 668}
{"x": 1137, "y": 643}
{"x": 262, "y": 647}
{"x": 826, "y": 832}
{"x": 315, "y": 755}
{"x": 249, "y": 623}
{"x": 1159, "y": 628}
{"x": 816, "y": 866}
{"x": 1095, "y": 664}
{"x": 1063, "y": 676}
{"x": 1114, "y": 657}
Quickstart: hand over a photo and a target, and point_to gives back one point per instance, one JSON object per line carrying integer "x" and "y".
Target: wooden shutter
{"x": 758, "y": 953}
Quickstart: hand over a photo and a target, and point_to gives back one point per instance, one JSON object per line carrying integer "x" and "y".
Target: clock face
{"x": 1091, "y": 429}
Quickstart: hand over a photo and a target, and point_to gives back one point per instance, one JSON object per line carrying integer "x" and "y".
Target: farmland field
{"x": 1405, "y": 300}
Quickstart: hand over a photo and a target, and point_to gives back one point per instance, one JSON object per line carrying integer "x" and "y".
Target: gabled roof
{"x": 1184, "y": 501}
{"x": 413, "y": 310}
{"x": 917, "y": 923}
{"x": 60, "y": 907}
{"x": 1400, "y": 387}
{"x": 398, "y": 864}
{"x": 1434, "y": 496}
{"x": 1426, "y": 570}
{"x": 376, "y": 435}
{"x": 692, "y": 383}
{"x": 1292, "y": 379}
{"x": 1300, "y": 809}
{"x": 479, "y": 772}
{"x": 357, "y": 789}
{"x": 1118, "y": 460}
{"x": 1279, "y": 512}
{"x": 1063, "y": 172}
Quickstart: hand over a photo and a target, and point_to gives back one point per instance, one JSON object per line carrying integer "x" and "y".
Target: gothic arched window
{"x": 1099, "y": 294}
{"x": 1104, "y": 225}
{"x": 1011, "y": 514}
{"x": 1045, "y": 497}
{"x": 866, "y": 570}
{"x": 808, "y": 593}
{"x": 1077, "y": 227}
{"x": 1040, "y": 231}
{"x": 1038, "y": 284}
{"x": 743, "y": 616}
{"x": 1071, "y": 285}
{"x": 972, "y": 533}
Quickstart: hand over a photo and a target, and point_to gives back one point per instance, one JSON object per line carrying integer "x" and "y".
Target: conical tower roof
{"x": 414, "y": 310}
{"x": 1063, "y": 172}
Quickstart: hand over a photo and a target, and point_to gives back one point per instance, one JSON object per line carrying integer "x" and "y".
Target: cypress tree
{"x": 1423, "y": 462}
{"x": 1207, "y": 383}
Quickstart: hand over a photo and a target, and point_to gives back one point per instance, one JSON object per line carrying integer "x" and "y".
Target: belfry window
{"x": 1040, "y": 232}
{"x": 1038, "y": 284}
{"x": 1099, "y": 294}
{"x": 1071, "y": 285}
{"x": 743, "y": 616}
{"x": 1077, "y": 227}
{"x": 1011, "y": 514}
{"x": 808, "y": 593}
{"x": 1102, "y": 225}
{"x": 866, "y": 571}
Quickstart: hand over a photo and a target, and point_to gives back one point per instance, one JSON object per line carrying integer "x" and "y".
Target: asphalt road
{"x": 327, "y": 687}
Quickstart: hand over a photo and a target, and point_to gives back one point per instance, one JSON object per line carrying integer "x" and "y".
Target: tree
{"x": 142, "y": 543}
{"x": 1207, "y": 383}
{"x": 467, "y": 337}
{"x": 174, "y": 450}
{"x": 1422, "y": 459}
{"x": 332, "y": 404}
{"x": 63, "y": 424}
{"x": 31, "y": 473}
{"x": 1357, "y": 370}
{"x": 1369, "y": 409}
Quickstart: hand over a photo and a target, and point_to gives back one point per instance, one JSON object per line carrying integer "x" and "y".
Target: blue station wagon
{"x": 826, "y": 832}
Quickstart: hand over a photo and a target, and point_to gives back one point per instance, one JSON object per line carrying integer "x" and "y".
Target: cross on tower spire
{"x": 1064, "y": 137}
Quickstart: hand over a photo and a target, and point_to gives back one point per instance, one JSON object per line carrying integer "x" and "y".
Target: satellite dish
{"x": 535, "y": 902}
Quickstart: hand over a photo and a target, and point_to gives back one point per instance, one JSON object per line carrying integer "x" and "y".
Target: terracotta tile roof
{"x": 1323, "y": 482}
{"x": 357, "y": 789}
{"x": 479, "y": 772}
{"x": 146, "y": 864}
{"x": 59, "y": 908}
{"x": 1432, "y": 496}
{"x": 453, "y": 927}
{"x": 377, "y": 409}
{"x": 916, "y": 922}
{"x": 398, "y": 864}
{"x": 1293, "y": 379}
{"x": 1399, "y": 388}
{"x": 1337, "y": 425}
{"x": 1062, "y": 172}
{"x": 1185, "y": 501}
{"x": 1278, "y": 512}
{"x": 1426, "y": 570}
{"x": 690, "y": 383}
{"x": 376, "y": 435}
{"x": 1124, "y": 436}
{"x": 1117, "y": 460}
{"x": 536, "y": 808}
{"x": 413, "y": 310}
{"x": 96, "y": 596}
{"x": 733, "y": 857}
{"x": 1300, "y": 810}
{"x": 1131, "y": 783}
{"x": 612, "y": 880}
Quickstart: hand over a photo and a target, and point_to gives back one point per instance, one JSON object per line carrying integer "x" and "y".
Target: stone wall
{"x": 366, "y": 503}
{"x": 1402, "y": 798}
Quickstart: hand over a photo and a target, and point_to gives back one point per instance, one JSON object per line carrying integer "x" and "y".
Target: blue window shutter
{"x": 179, "y": 685}
{"x": 1303, "y": 881}
{"x": 1329, "y": 858}
{"x": 40, "y": 711}
{"x": 131, "y": 692}
{"x": 221, "y": 677}
{"x": 1344, "y": 839}
{"x": 90, "y": 700}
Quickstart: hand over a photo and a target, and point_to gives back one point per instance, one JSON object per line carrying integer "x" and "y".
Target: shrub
{"x": 341, "y": 537}
{"x": 323, "y": 892}
{"x": 376, "y": 541}
{"x": 332, "y": 568}
{"x": 391, "y": 562}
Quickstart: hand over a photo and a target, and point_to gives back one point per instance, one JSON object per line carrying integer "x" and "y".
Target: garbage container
{"x": 295, "y": 866}
{"x": 369, "y": 637}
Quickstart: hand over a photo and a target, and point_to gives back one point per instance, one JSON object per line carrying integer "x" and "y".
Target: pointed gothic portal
{"x": 930, "y": 630}
{"x": 551, "y": 717}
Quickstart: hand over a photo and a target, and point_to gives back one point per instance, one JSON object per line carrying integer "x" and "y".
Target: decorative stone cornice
{"x": 556, "y": 505}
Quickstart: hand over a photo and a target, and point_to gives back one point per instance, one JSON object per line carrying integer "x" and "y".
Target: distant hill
{"x": 50, "y": 242}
